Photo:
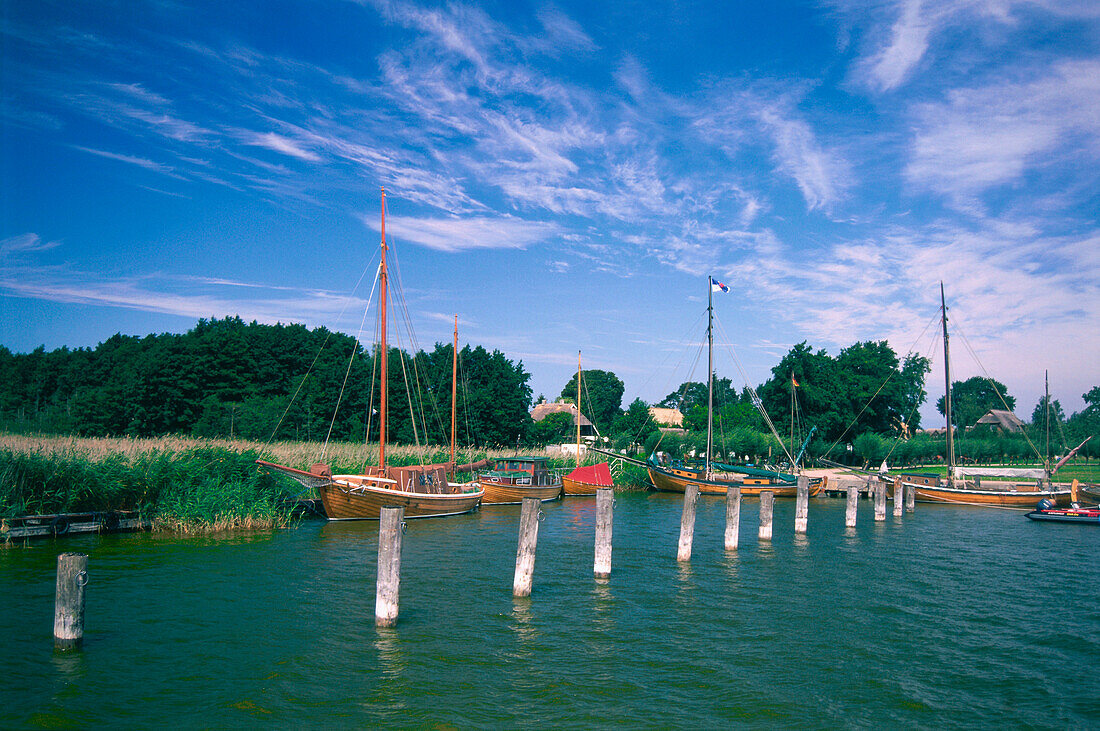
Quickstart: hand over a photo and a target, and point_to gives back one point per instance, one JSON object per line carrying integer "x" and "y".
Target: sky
{"x": 564, "y": 177}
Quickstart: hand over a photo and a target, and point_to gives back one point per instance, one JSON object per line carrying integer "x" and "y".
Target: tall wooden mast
{"x": 578, "y": 408}
{"x": 1046, "y": 450}
{"x": 454, "y": 389}
{"x": 710, "y": 369}
{"x": 947, "y": 397}
{"x": 384, "y": 353}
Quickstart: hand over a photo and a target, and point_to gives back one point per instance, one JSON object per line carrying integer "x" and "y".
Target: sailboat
{"x": 589, "y": 478}
{"x": 423, "y": 490}
{"x": 956, "y": 489}
{"x": 714, "y": 478}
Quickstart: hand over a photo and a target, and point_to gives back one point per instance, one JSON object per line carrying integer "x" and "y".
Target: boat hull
{"x": 1022, "y": 499}
{"x": 349, "y": 501}
{"x": 678, "y": 481}
{"x": 1088, "y": 516}
{"x": 498, "y": 493}
{"x": 569, "y": 486}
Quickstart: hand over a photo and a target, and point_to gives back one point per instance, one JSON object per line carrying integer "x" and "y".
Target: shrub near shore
{"x": 197, "y": 488}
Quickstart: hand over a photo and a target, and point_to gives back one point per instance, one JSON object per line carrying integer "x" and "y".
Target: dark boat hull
{"x": 1088, "y": 516}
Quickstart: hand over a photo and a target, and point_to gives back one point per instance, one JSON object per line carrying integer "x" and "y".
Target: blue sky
{"x": 564, "y": 176}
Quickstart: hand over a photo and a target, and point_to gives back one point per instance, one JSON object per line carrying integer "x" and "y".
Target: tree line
{"x": 229, "y": 378}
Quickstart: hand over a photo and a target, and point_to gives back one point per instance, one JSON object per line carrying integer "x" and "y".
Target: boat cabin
{"x": 523, "y": 471}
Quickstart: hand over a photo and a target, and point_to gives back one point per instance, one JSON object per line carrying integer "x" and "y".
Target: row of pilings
{"x": 72, "y": 568}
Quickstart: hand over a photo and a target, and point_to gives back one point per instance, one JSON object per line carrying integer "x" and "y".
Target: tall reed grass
{"x": 183, "y": 483}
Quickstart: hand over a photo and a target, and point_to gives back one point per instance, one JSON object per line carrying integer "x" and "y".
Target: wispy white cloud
{"x": 27, "y": 243}
{"x": 989, "y": 136}
{"x": 155, "y": 167}
{"x": 278, "y": 143}
{"x": 467, "y": 233}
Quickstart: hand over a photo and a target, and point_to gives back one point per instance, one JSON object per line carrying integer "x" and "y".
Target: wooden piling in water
{"x": 687, "y": 523}
{"x": 68, "y": 612}
{"x": 525, "y": 553}
{"x": 910, "y": 498}
{"x": 851, "y": 508}
{"x": 605, "y": 501}
{"x": 899, "y": 497}
{"x": 802, "y": 504}
{"x": 880, "y": 501}
{"x": 733, "y": 517}
{"x": 767, "y": 505}
{"x": 387, "y": 588}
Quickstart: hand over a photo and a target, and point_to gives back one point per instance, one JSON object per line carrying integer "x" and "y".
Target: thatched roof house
{"x": 1003, "y": 421}
{"x": 544, "y": 409}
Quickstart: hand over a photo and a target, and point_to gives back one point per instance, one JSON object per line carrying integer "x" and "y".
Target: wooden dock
{"x": 60, "y": 524}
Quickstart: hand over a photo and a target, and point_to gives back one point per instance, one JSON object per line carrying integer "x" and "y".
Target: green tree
{"x": 601, "y": 396}
{"x": 633, "y": 426}
{"x": 1039, "y": 414}
{"x": 973, "y": 398}
{"x": 552, "y": 429}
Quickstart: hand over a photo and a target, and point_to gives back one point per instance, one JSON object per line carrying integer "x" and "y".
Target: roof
{"x": 544, "y": 409}
{"x": 667, "y": 417}
{"x": 1003, "y": 419}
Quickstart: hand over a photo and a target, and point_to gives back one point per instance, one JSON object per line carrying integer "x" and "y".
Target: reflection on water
{"x": 390, "y": 655}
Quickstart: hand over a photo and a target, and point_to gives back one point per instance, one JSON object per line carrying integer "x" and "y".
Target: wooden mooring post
{"x": 851, "y": 508}
{"x": 802, "y": 504}
{"x": 687, "y": 523}
{"x": 733, "y": 517}
{"x": 880, "y": 500}
{"x": 68, "y": 612}
{"x": 910, "y": 498}
{"x": 899, "y": 497}
{"x": 767, "y": 505}
{"x": 605, "y": 502}
{"x": 525, "y": 553}
{"x": 387, "y": 589}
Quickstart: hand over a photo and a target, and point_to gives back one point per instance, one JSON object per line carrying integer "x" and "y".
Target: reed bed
{"x": 189, "y": 484}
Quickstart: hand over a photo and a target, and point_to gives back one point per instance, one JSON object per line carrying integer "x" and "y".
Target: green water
{"x": 950, "y": 617}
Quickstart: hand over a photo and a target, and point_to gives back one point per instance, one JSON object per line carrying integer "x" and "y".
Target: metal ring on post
{"x": 541, "y": 516}
{"x": 404, "y": 527}
{"x": 82, "y": 579}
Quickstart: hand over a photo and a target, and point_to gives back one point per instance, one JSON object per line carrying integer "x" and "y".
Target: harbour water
{"x": 950, "y": 617}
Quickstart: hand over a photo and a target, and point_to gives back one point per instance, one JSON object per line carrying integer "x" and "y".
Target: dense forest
{"x": 228, "y": 378}
{"x": 231, "y": 378}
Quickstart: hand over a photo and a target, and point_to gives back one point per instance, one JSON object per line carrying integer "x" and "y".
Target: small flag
{"x": 794, "y": 382}
{"x": 716, "y": 286}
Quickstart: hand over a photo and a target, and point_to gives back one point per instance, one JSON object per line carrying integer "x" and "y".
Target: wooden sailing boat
{"x": 518, "y": 477}
{"x": 423, "y": 490}
{"x": 709, "y": 480}
{"x": 956, "y": 489}
{"x": 585, "y": 480}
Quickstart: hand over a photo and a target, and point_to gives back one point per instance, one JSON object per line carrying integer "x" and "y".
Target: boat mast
{"x": 383, "y": 292}
{"x": 578, "y": 408}
{"x": 710, "y": 369}
{"x": 1046, "y": 451}
{"x": 454, "y": 389}
{"x": 947, "y": 397}
{"x": 793, "y": 466}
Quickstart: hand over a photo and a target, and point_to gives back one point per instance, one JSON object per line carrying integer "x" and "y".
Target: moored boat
{"x": 586, "y": 479}
{"x": 518, "y": 477}
{"x": 714, "y": 478}
{"x": 1031, "y": 485}
{"x": 677, "y": 479}
{"x": 1047, "y": 511}
{"x": 422, "y": 490}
